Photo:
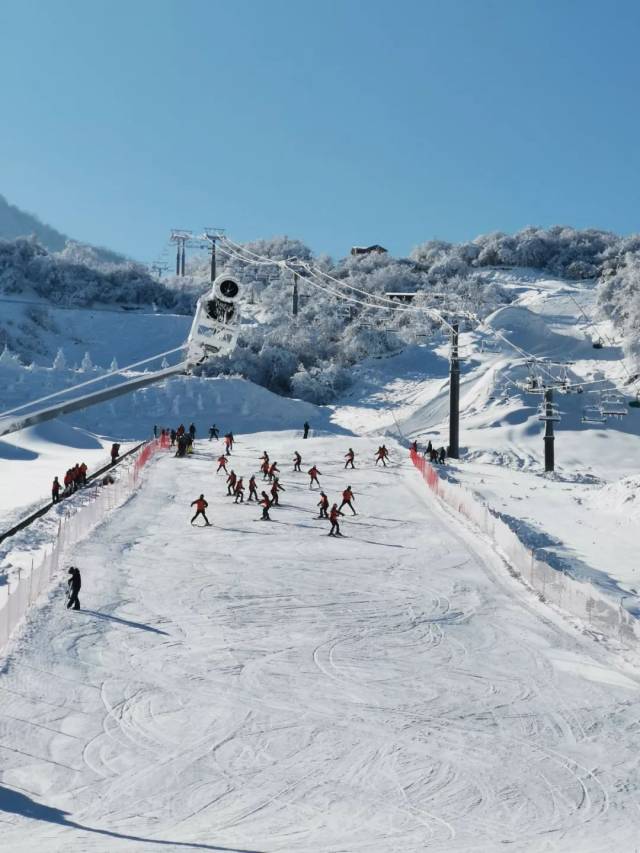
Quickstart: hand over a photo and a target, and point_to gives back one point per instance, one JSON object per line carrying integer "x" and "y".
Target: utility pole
{"x": 213, "y": 234}
{"x": 454, "y": 396}
{"x": 180, "y": 238}
{"x": 549, "y": 437}
{"x": 294, "y": 305}
{"x": 183, "y": 257}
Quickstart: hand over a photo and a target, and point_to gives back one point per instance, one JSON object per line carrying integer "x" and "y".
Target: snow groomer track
{"x": 263, "y": 687}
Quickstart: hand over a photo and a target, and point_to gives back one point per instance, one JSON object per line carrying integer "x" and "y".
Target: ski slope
{"x": 263, "y": 687}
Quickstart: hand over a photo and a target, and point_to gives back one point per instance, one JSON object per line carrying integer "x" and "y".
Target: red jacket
{"x": 347, "y": 495}
{"x": 200, "y": 504}
{"x": 313, "y": 472}
{"x": 335, "y": 512}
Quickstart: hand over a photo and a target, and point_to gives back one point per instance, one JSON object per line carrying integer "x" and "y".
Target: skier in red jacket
{"x": 313, "y": 474}
{"x": 347, "y": 497}
{"x": 55, "y": 490}
{"x": 275, "y": 488}
{"x": 253, "y": 489}
{"x": 273, "y": 470}
{"x": 381, "y": 454}
{"x": 265, "y": 469}
{"x": 200, "y": 505}
{"x": 265, "y": 503}
{"x": 323, "y": 503}
{"x": 231, "y": 482}
{"x": 333, "y": 518}
{"x": 222, "y": 463}
{"x": 238, "y": 491}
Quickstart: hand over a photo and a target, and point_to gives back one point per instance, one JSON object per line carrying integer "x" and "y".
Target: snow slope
{"x": 262, "y": 687}
{"x": 574, "y": 518}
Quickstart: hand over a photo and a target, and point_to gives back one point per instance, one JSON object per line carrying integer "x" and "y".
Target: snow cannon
{"x": 216, "y": 324}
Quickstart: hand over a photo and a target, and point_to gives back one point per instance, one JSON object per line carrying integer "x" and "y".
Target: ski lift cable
{"x": 414, "y": 309}
{"x": 73, "y": 388}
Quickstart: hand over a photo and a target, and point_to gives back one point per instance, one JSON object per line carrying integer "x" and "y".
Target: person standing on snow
{"x": 306, "y": 429}
{"x": 213, "y": 432}
{"x": 55, "y": 490}
{"x": 222, "y": 463}
{"x": 297, "y": 461}
{"x": 238, "y": 491}
{"x": 115, "y": 452}
{"x": 347, "y": 497}
{"x": 313, "y": 474}
{"x": 350, "y": 456}
{"x": 192, "y": 431}
{"x": 265, "y": 469}
{"x": 275, "y": 488}
{"x": 200, "y": 505}
{"x": 74, "y": 585}
{"x": 382, "y": 454}
{"x": 273, "y": 470}
{"x": 265, "y": 503}
{"x": 333, "y": 518}
{"x": 323, "y": 503}
{"x": 231, "y": 482}
{"x": 253, "y": 490}
{"x": 442, "y": 455}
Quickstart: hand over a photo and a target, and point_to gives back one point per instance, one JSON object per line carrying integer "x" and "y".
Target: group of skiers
{"x": 436, "y": 457}
{"x": 268, "y": 496}
{"x": 73, "y": 480}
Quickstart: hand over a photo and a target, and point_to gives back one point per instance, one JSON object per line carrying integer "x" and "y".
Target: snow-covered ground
{"x": 582, "y": 518}
{"x": 262, "y": 687}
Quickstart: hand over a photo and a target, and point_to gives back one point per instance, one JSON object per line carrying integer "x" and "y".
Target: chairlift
{"x": 613, "y": 405}
{"x": 548, "y": 412}
{"x": 592, "y": 415}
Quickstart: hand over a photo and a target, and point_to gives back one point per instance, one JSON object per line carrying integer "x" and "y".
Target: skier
{"x": 239, "y": 491}
{"x": 55, "y": 490}
{"x": 228, "y": 444}
{"x": 313, "y": 473}
{"x": 180, "y": 430}
{"x": 265, "y": 503}
{"x": 382, "y": 454}
{"x": 264, "y": 457}
{"x": 115, "y": 452}
{"x": 155, "y": 430}
{"x": 297, "y": 460}
{"x": 213, "y": 432}
{"x": 350, "y": 456}
{"x": 173, "y": 435}
{"x": 67, "y": 483}
{"x": 323, "y": 503}
{"x": 414, "y": 446}
{"x": 74, "y": 585}
{"x": 442, "y": 455}
{"x": 192, "y": 431}
{"x": 428, "y": 449}
{"x": 306, "y": 428}
{"x": 253, "y": 491}
{"x": 231, "y": 482}
{"x": 333, "y": 518}
{"x": 188, "y": 438}
{"x": 200, "y": 505}
{"x": 433, "y": 455}
{"x": 273, "y": 469}
{"x": 347, "y": 497}
{"x": 182, "y": 445}
{"x": 222, "y": 463}
{"x": 275, "y": 488}
{"x": 83, "y": 474}
{"x": 265, "y": 469}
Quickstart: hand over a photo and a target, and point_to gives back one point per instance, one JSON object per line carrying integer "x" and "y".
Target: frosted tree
{"x": 114, "y": 364}
{"x": 59, "y": 362}
{"x": 163, "y": 364}
{"x": 86, "y": 364}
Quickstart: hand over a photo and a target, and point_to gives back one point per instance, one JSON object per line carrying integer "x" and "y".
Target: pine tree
{"x": 59, "y": 362}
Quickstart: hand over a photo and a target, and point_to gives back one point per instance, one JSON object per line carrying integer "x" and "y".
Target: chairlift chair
{"x": 592, "y": 415}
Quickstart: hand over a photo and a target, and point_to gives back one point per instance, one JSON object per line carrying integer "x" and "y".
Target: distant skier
{"x": 213, "y": 432}
{"x": 414, "y": 446}
{"x": 350, "y": 456}
{"x": 200, "y": 505}
{"x": 382, "y": 454}
{"x": 347, "y": 497}
{"x": 265, "y": 469}
{"x": 264, "y": 457}
{"x": 306, "y": 429}
{"x": 192, "y": 431}
{"x": 173, "y": 435}
{"x": 275, "y": 488}
{"x": 442, "y": 455}
{"x": 238, "y": 491}
{"x": 83, "y": 474}
{"x": 433, "y": 456}
{"x": 74, "y": 585}
{"x": 273, "y": 470}
{"x": 222, "y": 463}
{"x": 333, "y": 518}
{"x": 180, "y": 430}
{"x": 231, "y": 482}
{"x": 155, "y": 430}
{"x": 253, "y": 490}
{"x": 55, "y": 490}
{"x": 228, "y": 444}
{"x": 323, "y": 503}
{"x": 297, "y": 461}
{"x": 115, "y": 452}
{"x": 313, "y": 474}
{"x": 265, "y": 503}
{"x": 428, "y": 449}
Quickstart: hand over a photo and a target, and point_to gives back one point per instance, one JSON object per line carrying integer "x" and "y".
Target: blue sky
{"x": 339, "y": 122}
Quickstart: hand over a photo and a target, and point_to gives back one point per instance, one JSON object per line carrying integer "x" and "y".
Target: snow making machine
{"x": 216, "y": 324}
{"x": 214, "y": 332}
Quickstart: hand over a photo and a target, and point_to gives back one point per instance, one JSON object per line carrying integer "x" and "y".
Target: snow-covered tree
{"x": 59, "y": 362}
{"x": 86, "y": 364}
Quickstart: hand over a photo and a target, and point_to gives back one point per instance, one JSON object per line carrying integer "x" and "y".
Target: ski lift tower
{"x": 180, "y": 238}
{"x": 212, "y": 234}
